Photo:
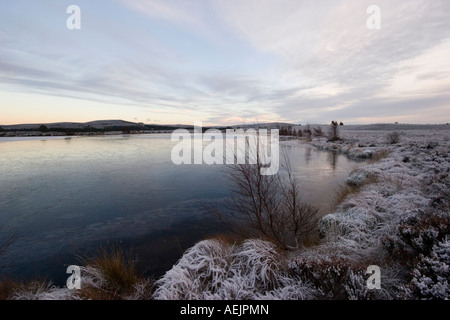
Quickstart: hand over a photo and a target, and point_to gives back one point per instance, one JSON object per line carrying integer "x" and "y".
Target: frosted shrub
{"x": 328, "y": 274}
{"x": 418, "y": 232}
{"x": 393, "y": 138}
{"x": 355, "y": 287}
{"x": 431, "y": 275}
{"x": 334, "y": 277}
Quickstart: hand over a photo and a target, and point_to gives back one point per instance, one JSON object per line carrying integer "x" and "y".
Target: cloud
{"x": 330, "y": 41}
{"x": 328, "y": 46}
{"x": 222, "y": 60}
{"x": 196, "y": 16}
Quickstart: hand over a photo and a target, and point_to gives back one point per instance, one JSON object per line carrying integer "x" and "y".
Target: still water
{"x": 63, "y": 197}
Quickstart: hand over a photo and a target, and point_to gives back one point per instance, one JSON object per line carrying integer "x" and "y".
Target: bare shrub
{"x": 333, "y": 131}
{"x": 269, "y": 205}
{"x": 393, "y": 137}
{"x": 318, "y": 131}
{"x": 307, "y": 132}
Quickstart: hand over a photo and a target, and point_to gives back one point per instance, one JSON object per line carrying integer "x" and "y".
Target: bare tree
{"x": 307, "y": 131}
{"x": 333, "y": 132}
{"x": 269, "y": 205}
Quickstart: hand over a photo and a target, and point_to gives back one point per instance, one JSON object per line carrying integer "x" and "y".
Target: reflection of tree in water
{"x": 308, "y": 155}
{"x": 332, "y": 159}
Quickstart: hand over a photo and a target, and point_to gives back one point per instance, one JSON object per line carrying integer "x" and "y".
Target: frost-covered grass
{"x": 216, "y": 270}
{"x": 394, "y": 214}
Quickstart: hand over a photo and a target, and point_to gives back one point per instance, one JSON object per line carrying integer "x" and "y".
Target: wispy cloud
{"x": 223, "y": 60}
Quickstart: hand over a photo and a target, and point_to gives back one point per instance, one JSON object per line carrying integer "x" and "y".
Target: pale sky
{"x": 225, "y": 61}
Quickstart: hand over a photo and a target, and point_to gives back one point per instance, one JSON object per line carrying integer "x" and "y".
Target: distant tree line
{"x": 333, "y": 133}
{"x": 44, "y": 129}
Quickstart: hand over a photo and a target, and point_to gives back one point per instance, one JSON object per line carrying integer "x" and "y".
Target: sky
{"x": 225, "y": 61}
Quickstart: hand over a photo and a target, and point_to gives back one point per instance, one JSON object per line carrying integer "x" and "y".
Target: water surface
{"x": 62, "y": 197}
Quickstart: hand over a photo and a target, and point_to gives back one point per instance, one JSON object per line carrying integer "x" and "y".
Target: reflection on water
{"x": 63, "y": 196}
{"x": 332, "y": 158}
{"x": 308, "y": 155}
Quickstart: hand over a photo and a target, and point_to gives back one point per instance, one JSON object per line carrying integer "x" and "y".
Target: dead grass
{"x": 228, "y": 238}
{"x": 117, "y": 269}
{"x": 398, "y": 180}
{"x": 344, "y": 190}
{"x": 379, "y": 156}
{"x": 7, "y": 288}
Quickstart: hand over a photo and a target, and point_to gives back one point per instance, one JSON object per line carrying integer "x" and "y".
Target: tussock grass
{"x": 111, "y": 275}
{"x": 117, "y": 267}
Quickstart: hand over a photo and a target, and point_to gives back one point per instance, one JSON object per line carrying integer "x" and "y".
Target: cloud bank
{"x": 232, "y": 61}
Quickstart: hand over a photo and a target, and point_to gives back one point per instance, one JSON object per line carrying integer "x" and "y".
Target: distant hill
{"x": 117, "y": 125}
{"x": 98, "y": 125}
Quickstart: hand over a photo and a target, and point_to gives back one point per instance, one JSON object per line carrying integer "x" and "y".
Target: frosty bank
{"x": 236, "y": 146}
